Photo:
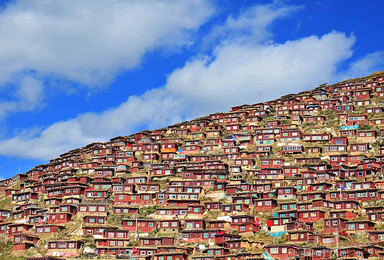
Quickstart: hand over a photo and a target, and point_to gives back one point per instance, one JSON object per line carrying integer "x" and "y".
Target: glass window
{"x": 274, "y": 250}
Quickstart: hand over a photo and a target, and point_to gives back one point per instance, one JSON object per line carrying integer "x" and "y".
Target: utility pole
{"x": 337, "y": 239}
{"x": 136, "y": 234}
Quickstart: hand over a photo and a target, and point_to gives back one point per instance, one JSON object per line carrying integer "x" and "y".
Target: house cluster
{"x": 299, "y": 177}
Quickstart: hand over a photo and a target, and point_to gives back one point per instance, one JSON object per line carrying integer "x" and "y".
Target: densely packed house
{"x": 299, "y": 177}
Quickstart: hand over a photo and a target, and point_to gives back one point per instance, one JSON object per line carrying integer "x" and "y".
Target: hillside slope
{"x": 297, "y": 176}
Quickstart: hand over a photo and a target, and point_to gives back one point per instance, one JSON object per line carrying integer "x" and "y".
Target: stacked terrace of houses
{"x": 299, "y": 176}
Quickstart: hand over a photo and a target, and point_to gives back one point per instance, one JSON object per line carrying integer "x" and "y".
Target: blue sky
{"x": 74, "y": 72}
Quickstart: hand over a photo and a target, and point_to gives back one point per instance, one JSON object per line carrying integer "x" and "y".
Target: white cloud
{"x": 30, "y": 92}
{"x": 29, "y": 95}
{"x": 364, "y": 66}
{"x": 87, "y": 42}
{"x": 250, "y": 25}
{"x": 153, "y": 108}
{"x": 238, "y": 72}
{"x": 90, "y": 41}
{"x": 234, "y": 74}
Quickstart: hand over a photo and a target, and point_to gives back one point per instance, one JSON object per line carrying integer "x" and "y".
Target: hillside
{"x": 298, "y": 176}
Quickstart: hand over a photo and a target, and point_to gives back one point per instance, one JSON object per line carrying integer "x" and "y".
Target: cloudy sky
{"x": 75, "y": 72}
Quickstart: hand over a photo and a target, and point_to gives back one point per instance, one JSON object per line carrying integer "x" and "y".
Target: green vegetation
{"x": 6, "y": 203}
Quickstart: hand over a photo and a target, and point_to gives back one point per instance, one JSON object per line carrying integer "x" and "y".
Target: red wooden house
{"x": 351, "y": 252}
{"x": 311, "y": 215}
{"x": 48, "y": 228}
{"x": 193, "y": 224}
{"x": 271, "y": 163}
{"x": 230, "y": 208}
{"x": 359, "y": 225}
{"x": 125, "y": 209}
{"x": 332, "y": 225}
{"x": 361, "y": 147}
{"x": 356, "y": 119}
{"x": 292, "y": 149}
{"x": 284, "y": 251}
{"x": 95, "y": 219}
{"x": 63, "y": 246}
{"x": 286, "y": 193}
{"x": 22, "y": 242}
{"x": 170, "y": 256}
{"x": 376, "y": 215}
{"x": 17, "y": 228}
{"x": 139, "y": 225}
{"x": 375, "y": 236}
{"x": 363, "y": 93}
{"x": 317, "y": 137}
{"x": 193, "y": 236}
{"x": 169, "y": 225}
{"x": 4, "y": 214}
{"x": 320, "y": 252}
{"x": 262, "y": 205}
{"x": 92, "y": 208}
{"x": 24, "y": 196}
{"x": 302, "y": 237}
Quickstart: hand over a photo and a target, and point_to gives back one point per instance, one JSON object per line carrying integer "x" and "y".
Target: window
{"x": 274, "y": 250}
{"x": 62, "y": 245}
{"x": 351, "y": 226}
